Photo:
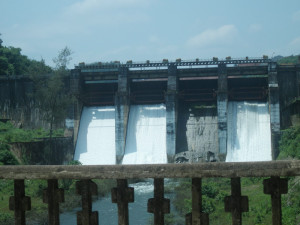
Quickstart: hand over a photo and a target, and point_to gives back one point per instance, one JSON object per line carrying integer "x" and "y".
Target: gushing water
{"x": 108, "y": 211}
{"x": 96, "y": 137}
{"x": 146, "y": 135}
{"x": 249, "y": 135}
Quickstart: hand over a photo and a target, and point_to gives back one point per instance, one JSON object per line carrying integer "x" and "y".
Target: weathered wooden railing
{"x": 158, "y": 205}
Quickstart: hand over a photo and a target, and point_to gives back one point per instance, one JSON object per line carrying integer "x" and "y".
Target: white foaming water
{"x": 96, "y": 138}
{"x": 146, "y": 135}
{"x": 249, "y": 134}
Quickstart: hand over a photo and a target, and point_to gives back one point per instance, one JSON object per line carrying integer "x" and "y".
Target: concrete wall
{"x": 17, "y": 103}
{"x": 197, "y": 133}
{"x": 39, "y": 152}
{"x": 288, "y": 82}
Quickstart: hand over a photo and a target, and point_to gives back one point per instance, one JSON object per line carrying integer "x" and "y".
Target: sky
{"x": 140, "y": 30}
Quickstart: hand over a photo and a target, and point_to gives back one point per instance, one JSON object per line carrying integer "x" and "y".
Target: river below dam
{"x": 108, "y": 211}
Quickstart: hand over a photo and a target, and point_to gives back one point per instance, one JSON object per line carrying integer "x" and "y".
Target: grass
{"x": 10, "y": 134}
{"x": 215, "y": 189}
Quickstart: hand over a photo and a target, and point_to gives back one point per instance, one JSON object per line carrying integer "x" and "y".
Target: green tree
{"x": 290, "y": 143}
{"x": 6, "y": 157}
{"x": 293, "y": 59}
{"x": 1, "y": 41}
{"x": 12, "y": 62}
{"x": 51, "y": 95}
{"x": 37, "y": 69}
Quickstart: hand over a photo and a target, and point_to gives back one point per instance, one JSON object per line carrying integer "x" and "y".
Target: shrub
{"x": 290, "y": 143}
{"x": 7, "y": 158}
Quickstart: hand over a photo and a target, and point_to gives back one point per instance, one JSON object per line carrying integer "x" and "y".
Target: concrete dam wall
{"x": 198, "y": 97}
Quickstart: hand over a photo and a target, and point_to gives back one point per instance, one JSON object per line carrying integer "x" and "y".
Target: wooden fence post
{"x": 197, "y": 217}
{"x": 86, "y": 188}
{"x": 236, "y": 204}
{"x": 275, "y": 187}
{"x": 122, "y": 195}
{"x": 19, "y": 202}
{"x": 159, "y": 205}
{"x": 53, "y": 196}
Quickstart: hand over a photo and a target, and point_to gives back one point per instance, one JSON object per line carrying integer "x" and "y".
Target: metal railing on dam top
{"x": 158, "y": 205}
{"x": 178, "y": 62}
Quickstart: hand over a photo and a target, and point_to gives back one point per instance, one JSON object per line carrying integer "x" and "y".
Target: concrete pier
{"x": 222, "y": 100}
{"x": 75, "y": 88}
{"x": 121, "y": 113}
{"x": 171, "y": 112}
{"x": 298, "y": 78}
{"x": 274, "y": 109}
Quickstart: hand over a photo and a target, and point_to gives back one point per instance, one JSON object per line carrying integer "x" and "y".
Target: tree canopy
{"x": 12, "y": 62}
{"x": 293, "y": 59}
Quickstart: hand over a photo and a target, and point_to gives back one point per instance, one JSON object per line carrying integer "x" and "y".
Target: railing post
{"x": 19, "y": 202}
{"x": 121, "y": 195}
{"x": 275, "y": 187}
{"x": 159, "y": 205}
{"x": 236, "y": 204}
{"x": 53, "y": 196}
{"x": 86, "y": 188}
{"x": 197, "y": 217}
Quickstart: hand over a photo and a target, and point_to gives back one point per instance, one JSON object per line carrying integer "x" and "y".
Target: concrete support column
{"x": 222, "y": 100}
{"x": 274, "y": 109}
{"x": 121, "y": 113}
{"x": 298, "y": 78}
{"x": 77, "y": 105}
{"x": 171, "y": 112}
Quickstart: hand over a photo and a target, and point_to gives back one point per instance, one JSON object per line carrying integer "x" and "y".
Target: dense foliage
{"x": 290, "y": 148}
{"x": 293, "y": 59}
{"x": 290, "y": 143}
{"x": 12, "y": 62}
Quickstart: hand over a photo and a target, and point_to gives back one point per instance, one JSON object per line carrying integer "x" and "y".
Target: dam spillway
{"x": 146, "y": 135}
{"x": 197, "y": 97}
{"x": 96, "y": 138}
{"x": 249, "y": 134}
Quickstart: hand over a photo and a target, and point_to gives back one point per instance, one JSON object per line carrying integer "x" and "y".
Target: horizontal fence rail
{"x": 235, "y": 204}
{"x": 205, "y": 170}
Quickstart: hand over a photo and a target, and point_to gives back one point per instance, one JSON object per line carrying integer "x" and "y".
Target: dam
{"x": 181, "y": 111}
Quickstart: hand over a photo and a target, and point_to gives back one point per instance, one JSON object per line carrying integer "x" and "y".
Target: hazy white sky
{"x": 108, "y": 30}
